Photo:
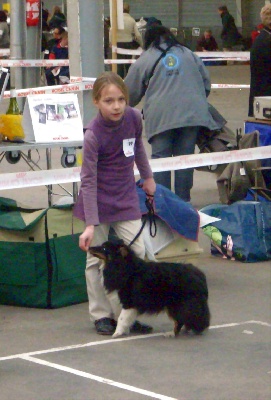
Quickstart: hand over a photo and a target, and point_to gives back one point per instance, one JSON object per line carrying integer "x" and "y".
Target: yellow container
{"x": 11, "y": 127}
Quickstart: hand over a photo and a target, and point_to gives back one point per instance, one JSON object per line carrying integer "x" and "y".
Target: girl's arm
{"x": 89, "y": 178}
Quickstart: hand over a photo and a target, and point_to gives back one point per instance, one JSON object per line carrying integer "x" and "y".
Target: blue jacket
{"x": 179, "y": 215}
{"x": 176, "y": 95}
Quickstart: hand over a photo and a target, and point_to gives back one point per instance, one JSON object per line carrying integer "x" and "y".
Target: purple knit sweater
{"x": 108, "y": 190}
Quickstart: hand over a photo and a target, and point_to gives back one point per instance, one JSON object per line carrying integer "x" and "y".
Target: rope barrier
{"x": 19, "y": 180}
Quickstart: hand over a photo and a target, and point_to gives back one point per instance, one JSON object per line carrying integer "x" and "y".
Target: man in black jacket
{"x": 229, "y": 35}
{"x": 260, "y": 60}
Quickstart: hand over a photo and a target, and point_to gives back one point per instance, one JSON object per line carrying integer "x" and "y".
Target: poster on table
{"x": 52, "y": 118}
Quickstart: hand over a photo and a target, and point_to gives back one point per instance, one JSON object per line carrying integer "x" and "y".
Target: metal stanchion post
{"x": 114, "y": 33}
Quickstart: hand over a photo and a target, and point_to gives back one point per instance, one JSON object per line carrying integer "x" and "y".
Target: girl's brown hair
{"x": 109, "y": 78}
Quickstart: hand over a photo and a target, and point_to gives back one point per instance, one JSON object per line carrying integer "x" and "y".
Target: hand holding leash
{"x": 149, "y": 187}
{"x": 86, "y": 238}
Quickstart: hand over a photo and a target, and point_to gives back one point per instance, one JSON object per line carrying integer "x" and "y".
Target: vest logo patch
{"x": 171, "y": 61}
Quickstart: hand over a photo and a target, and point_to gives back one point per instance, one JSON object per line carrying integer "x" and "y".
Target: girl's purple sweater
{"x": 108, "y": 190}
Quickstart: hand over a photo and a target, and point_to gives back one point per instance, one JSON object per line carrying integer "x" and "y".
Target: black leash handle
{"x": 150, "y": 217}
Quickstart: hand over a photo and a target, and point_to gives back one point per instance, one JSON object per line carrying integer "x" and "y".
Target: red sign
{"x": 32, "y": 12}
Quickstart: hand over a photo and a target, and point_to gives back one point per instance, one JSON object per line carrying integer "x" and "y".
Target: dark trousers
{"x": 124, "y": 68}
{"x": 171, "y": 143}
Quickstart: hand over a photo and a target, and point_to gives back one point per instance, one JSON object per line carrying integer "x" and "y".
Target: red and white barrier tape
{"x": 246, "y": 54}
{"x": 75, "y": 79}
{"x": 127, "y": 61}
{"x": 79, "y": 84}
{"x": 211, "y": 54}
{"x": 34, "y": 63}
{"x": 4, "y": 52}
{"x": 71, "y": 87}
{"x": 243, "y": 59}
{"x": 119, "y": 50}
{"x": 228, "y": 86}
{"x": 20, "y": 180}
{"x": 64, "y": 63}
{"x": 224, "y": 54}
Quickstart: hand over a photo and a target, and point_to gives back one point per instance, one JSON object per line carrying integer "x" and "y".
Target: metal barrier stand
{"x": 13, "y": 152}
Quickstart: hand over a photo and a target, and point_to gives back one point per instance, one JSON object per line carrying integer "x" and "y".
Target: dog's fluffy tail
{"x": 197, "y": 315}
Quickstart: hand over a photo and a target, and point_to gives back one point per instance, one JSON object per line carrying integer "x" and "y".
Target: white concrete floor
{"x": 231, "y": 361}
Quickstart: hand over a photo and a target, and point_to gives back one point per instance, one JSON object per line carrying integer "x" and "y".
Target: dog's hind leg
{"x": 177, "y": 315}
{"x": 126, "y": 319}
{"x": 177, "y": 327}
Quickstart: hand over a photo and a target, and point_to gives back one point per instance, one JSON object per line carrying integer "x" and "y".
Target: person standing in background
{"x": 256, "y": 32}
{"x": 175, "y": 84}
{"x": 260, "y": 60}
{"x": 59, "y": 52}
{"x": 127, "y": 38}
{"x": 57, "y": 36}
{"x": 4, "y": 31}
{"x": 107, "y": 49}
{"x": 44, "y": 18}
{"x": 229, "y": 35}
{"x": 57, "y": 19}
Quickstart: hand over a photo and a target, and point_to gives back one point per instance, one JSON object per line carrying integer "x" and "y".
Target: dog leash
{"x": 150, "y": 217}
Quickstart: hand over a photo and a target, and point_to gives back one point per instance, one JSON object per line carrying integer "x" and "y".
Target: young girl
{"x": 108, "y": 197}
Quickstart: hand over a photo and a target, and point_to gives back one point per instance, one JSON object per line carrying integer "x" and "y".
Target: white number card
{"x": 128, "y": 147}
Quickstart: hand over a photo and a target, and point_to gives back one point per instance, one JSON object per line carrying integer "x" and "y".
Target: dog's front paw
{"x": 169, "y": 334}
{"x": 118, "y": 334}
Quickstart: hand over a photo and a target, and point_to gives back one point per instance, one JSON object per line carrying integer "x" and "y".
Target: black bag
{"x": 215, "y": 141}
{"x": 238, "y": 177}
{"x": 233, "y": 184}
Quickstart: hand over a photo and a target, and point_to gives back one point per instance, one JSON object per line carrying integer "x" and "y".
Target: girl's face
{"x": 111, "y": 103}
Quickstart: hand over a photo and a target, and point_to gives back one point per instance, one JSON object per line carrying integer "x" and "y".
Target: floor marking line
{"x": 97, "y": 378}
{"x": 260, "y": 323}
{"x": 108, "y": 341}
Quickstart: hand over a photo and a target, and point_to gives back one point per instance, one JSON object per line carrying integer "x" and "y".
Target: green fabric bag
{"x": 41, "y": 264}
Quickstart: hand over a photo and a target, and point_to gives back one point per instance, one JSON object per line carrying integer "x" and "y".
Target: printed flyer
{"x": 52, "y": 118}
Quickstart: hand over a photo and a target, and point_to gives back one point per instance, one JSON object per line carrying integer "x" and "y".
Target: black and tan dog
{"x": 151, "y": 287}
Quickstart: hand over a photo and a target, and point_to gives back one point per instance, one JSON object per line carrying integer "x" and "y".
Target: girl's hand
{"x": 149, "y": 186}
{"x": 86, "y": 238}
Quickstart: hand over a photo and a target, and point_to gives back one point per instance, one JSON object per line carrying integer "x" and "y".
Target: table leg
{"x": 49, "y": 166}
